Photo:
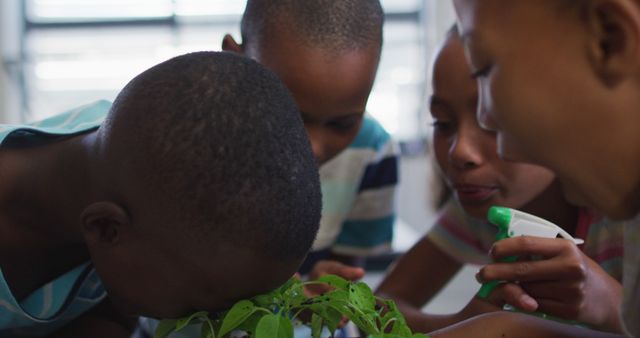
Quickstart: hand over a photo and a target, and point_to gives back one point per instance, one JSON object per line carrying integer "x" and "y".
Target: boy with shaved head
{"x": 164, "y": 206}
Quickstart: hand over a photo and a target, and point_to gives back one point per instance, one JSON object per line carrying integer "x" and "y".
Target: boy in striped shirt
{"x": 327, "y": 54}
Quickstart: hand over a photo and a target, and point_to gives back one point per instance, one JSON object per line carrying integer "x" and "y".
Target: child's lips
{"x": 474, "y": 193}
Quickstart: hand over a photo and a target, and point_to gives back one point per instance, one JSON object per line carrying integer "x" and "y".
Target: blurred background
{"x": 61, "y": 53}
{"x": 58, "y": 54}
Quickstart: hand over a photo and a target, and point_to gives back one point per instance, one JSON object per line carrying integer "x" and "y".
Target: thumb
{"x": 351, "y": 273}
{"x": 336, "y": 268}
{"x": 513, "y": 294}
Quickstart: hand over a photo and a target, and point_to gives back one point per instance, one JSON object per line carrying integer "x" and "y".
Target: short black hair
{"x": 334, "y": 25}
{"x": 218, "y": 141}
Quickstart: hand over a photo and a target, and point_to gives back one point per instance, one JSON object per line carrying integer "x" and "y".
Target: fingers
{"x": 561, "y": 309}
{"x": 566, "y": 291}
{"x": 518, "y": 297}
{"x": 526, "y": 271}
{"x": 513, "y": 294}
{"x": 316, "y": 289}
{"x": 336, "y": 268}
{"x": 562, "y": 260}
{"x": 331, "y": 268}
{"x": 561, "y": 281}
{"x": 523, "y": 246}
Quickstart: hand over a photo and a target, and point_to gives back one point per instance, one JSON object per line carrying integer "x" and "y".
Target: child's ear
{"x": 615, "y": 46}
{"x": 229, "y": 44}
{"x": 103, "y": 223}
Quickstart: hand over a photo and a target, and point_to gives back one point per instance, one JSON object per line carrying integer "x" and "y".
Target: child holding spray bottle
{"x": 479, "y": 179}
{"x": 559, "y": 83}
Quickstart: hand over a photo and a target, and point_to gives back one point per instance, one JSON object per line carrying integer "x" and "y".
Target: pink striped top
{"x": 468, "y": 240}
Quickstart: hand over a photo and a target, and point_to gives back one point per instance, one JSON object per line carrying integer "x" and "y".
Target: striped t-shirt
{"x": 468, "y": 240}
{"x": 358, "y": 196}
{"x": 67, "y": 297}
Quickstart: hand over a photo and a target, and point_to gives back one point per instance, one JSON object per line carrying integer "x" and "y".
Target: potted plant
{"x": 273, "y": 315}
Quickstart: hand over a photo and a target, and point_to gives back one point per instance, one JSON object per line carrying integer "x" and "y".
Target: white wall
{"x": 10, "y": 33}
{"x": 416, "y": 192}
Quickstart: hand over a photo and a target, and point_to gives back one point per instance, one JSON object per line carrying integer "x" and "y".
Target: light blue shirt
{"x": 70, "y": 295}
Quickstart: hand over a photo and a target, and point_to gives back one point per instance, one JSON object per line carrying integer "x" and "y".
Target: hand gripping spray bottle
{"x": 513, "y": 223}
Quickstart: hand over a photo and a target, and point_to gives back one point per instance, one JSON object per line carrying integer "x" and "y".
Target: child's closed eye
{"x": 482, "y": 72}
{"x": 441, "y": 126}
{"x": 345, "y": 123}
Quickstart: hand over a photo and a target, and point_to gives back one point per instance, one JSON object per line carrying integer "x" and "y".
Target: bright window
{"x": 77, "y": 51}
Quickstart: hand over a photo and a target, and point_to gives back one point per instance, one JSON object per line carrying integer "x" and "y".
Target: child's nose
{"x": 464, "y": 153}
{"x": 317, "y": 144}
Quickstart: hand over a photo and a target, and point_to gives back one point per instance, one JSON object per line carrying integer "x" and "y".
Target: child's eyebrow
{"x": 444, "y": 107}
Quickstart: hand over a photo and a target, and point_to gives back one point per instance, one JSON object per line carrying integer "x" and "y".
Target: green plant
{"x": 272, "y": 315}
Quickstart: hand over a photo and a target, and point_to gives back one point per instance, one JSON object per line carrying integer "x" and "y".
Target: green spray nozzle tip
{"x": 501, "y": 217}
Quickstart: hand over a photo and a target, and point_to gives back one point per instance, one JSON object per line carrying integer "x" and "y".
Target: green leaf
{"x": 287, "y": 285}
{"x": 294, "y": 296}
{"x": 363, "y": 321}
{"x": 264, "y": 300}
{"x": 338, "y": 295}
{"x": 268, "y": 326}
{"x": 185, "y": 321}
{"x": 335, "y": 281}
{"x": 362, "y": 297}
{"x": 207, "y": 331}
{"x": 251, "y": 323}
{"x": 401, "y": 329}
{"x": 391, "y": 306}
{"x": 286, "y": 328}
{"x": 419, "y": 335}
{"x": 316, "y": 326}
{"x": 331, "y": 316}
{"x": 257, "y": 317}
{"x": 238, "y": 313}
{"x": 165, "y": 327}
{"x": 274, "y": 326}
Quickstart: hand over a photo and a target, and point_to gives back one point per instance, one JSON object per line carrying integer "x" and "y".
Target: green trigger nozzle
{"x": 501, "y": 217}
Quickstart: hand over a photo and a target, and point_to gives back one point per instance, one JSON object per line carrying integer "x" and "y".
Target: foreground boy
{"x": 162, "y": 208}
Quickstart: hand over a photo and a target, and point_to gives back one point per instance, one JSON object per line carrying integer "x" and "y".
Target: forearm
{"x": 504, "y": 324}
{"x": 424, "y": 322}
{"x": 95, "y": 328}
{"x": 413, "y": 281}
{"x": 419, "y": 321}
{"x": 103, "y": 321}
{"x": 613, "y": 315}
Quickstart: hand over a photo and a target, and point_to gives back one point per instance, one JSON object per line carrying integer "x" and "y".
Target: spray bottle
{"x": 513, "y": 223}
